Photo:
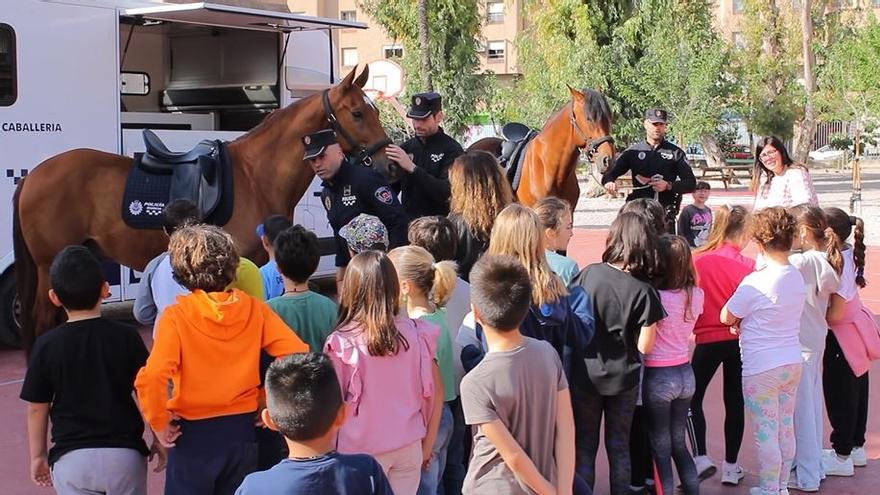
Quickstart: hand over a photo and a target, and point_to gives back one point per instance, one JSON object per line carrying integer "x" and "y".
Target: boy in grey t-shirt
{"x": 517, "y": 396}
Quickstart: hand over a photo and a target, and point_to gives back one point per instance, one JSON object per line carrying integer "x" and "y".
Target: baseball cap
{"x": 364, "y": 233}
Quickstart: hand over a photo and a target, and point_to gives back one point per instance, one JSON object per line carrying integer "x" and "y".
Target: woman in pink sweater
{"x": 720, "y": 268}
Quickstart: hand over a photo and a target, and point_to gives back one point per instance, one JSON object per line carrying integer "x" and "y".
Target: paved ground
{"x": 592, "y": 219}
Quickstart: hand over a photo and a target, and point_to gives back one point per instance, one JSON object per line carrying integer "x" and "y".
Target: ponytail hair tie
{"x": 852, "y": 220}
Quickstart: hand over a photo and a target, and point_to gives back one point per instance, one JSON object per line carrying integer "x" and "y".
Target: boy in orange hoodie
{"x": 208, "y": 344}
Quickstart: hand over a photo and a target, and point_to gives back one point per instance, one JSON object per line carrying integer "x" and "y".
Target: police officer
{"x": 350, "y": 190}
{"x": 425, "y": 159}
{"x": 660, "y": 169}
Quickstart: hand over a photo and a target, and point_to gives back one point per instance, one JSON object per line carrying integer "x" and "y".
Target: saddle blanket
{"x": 147, "y": 193}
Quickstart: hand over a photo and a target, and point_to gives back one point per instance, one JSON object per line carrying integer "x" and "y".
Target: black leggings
{"x": 618, "y": 413}
{"x": 707, "y": 358}
{"x": 846, "y": 399}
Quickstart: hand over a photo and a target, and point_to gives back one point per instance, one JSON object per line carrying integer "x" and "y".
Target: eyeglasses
{"x": 768, "y": 154}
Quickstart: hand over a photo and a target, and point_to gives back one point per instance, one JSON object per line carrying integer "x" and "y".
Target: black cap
{"x": 316, "y": 143}
{"x": 424, "y": 104}
{"x": 655, "y": 115}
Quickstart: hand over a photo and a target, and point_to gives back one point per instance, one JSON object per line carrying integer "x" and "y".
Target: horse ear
{"x": 575, "y": 94}
{"x": 346, "y": 82}
{"x": 364, "y": 77}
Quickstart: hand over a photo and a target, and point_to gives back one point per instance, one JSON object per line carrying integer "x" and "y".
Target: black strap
{"x": 363, "y": 154}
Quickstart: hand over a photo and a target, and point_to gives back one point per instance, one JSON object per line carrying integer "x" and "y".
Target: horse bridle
{"x": 364, "y": 154}
{"x": 591, "y": 145}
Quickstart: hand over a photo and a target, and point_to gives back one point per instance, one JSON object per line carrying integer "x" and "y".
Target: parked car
{"x": 741, "y": 152}
{"x": 827, "y": 153}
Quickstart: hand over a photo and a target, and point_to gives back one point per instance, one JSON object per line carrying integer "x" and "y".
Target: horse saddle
{"x": 159, "y": 176}
{"x": 513, "y": 150}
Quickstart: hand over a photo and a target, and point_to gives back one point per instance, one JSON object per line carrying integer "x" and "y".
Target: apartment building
{"x": 502, "y": 21}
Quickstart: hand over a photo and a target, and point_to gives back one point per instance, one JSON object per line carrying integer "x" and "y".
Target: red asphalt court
{"x": 586, "y": 247}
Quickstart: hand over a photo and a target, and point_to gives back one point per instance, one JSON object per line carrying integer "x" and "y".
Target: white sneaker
{"x": 859, "y": 457}
{"x": 833, "y": 466}
{"x": 705, "y": 467}
{"x": 793, "y": 484}
{"x": 731, "y": 474}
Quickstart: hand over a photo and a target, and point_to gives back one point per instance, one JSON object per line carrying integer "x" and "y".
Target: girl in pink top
{"x": 779, "y": 181}
{"x": 669, "y": 380}
{"x": 720, "y": 266}
{"x": 851, "y": 345}
{"x": 387, "y": 373}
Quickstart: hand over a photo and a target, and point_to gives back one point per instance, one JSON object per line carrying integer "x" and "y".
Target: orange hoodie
{"x": 209, "y": 345}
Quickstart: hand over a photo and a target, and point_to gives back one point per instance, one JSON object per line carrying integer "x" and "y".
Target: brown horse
{"x": 76, "y": 197}
{"x": 582, "y": 126}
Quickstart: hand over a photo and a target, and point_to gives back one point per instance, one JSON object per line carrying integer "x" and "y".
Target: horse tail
{"x": 25, "y": 273}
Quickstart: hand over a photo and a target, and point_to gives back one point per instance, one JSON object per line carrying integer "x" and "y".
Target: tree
{"x": 770, "y": 99}
{"x": 452, "y": 49}
{"x": 424, "y": 48}
{"x": 635, "y": 52}
{"x": 805, "y": 129}
{"x": 849, "y": 88}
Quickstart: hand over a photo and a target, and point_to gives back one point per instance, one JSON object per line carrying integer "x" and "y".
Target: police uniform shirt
{"x": 644, "y": 159}
{"x": 426, "y": 191}
{"x": 356, "y": 189}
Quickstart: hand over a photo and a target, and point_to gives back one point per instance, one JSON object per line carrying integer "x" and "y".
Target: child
{"x": 80, "y": 375}
{"x": 627, "y": 309}
{"x": 364, "y": 233}
{"x": 438, "y": 236}
{"x": 208, "y": 344}
{"x": 304, "y": 404}
{"x": 565, "y": 321}
{"x": 556, "y": 220}
{"x": 382, "y": 359}
{"x": 720, "y": 268}
{"x": 851, "y": 345}
{"x": 309, "y": 314}
{"x": 766, "y": 309}
{"x": 695, "y": 220}
{"x": 273, "y": 285}
{"x": 425, "y": 287}
{"x": 669, "y": 380}
{"x": 157, "y": 288}
{"x": 816, "y": 255}
{"x": 517, "y": 396}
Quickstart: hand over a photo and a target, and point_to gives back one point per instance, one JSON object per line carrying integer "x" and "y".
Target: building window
{"x": 348, "y": 15}
{"x": 494, "y": 12}
{"x": 738, "y": 6}
{"x": 349, "y": 57}
{"x": 739, "y": 41}
{"x": 393, "y": 51}
{"x": 495, "y": 50}
{"x": 8, "y": 75}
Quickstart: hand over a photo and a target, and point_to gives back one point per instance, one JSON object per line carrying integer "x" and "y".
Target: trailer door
{"x": 58, "y": 73}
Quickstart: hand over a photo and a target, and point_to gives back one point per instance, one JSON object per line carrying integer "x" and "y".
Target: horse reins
{"x": 590, "y": 145}
{"x": 364, "y": 154}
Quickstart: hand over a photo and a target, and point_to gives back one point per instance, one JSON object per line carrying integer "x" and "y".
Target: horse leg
{"x": 46, "y": 314}
{"x": 571, "y": 190}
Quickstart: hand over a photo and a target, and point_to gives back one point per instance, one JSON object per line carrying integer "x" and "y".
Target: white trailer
{"x": 92, "y": 74}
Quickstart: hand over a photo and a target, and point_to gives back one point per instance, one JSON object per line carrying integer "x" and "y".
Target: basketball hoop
{"x": 386, "y": 80}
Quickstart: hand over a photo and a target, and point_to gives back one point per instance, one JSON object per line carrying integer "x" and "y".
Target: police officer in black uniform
{"x": 426, "y": 159}
{"x": 350, "y": 190}
{"x": 660, "y": 169}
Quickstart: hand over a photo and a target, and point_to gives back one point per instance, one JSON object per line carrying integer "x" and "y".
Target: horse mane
{"x": 596, "y": 107}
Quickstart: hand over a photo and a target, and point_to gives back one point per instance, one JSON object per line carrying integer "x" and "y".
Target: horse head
{"x": 356, "y": 122}
{"x": 591, "y": 119}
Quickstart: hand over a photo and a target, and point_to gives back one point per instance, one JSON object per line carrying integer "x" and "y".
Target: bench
{"x": 726, "y": 173}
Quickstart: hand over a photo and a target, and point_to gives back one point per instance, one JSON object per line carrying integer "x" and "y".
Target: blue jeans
{"x": 667, "y": 396}
{"x": 453, "y": 475}
{"x": 432, "y": 476}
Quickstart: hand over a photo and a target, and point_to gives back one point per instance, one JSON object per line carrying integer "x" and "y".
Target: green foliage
{"x": 636, "y": 53}
{"x": 849, "y": 82}
{"x": 770, "y": 98}
{"x": 454, "y": 27}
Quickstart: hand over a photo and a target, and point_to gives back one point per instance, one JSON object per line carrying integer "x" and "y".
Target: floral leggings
{"x": 770, "y": 399}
